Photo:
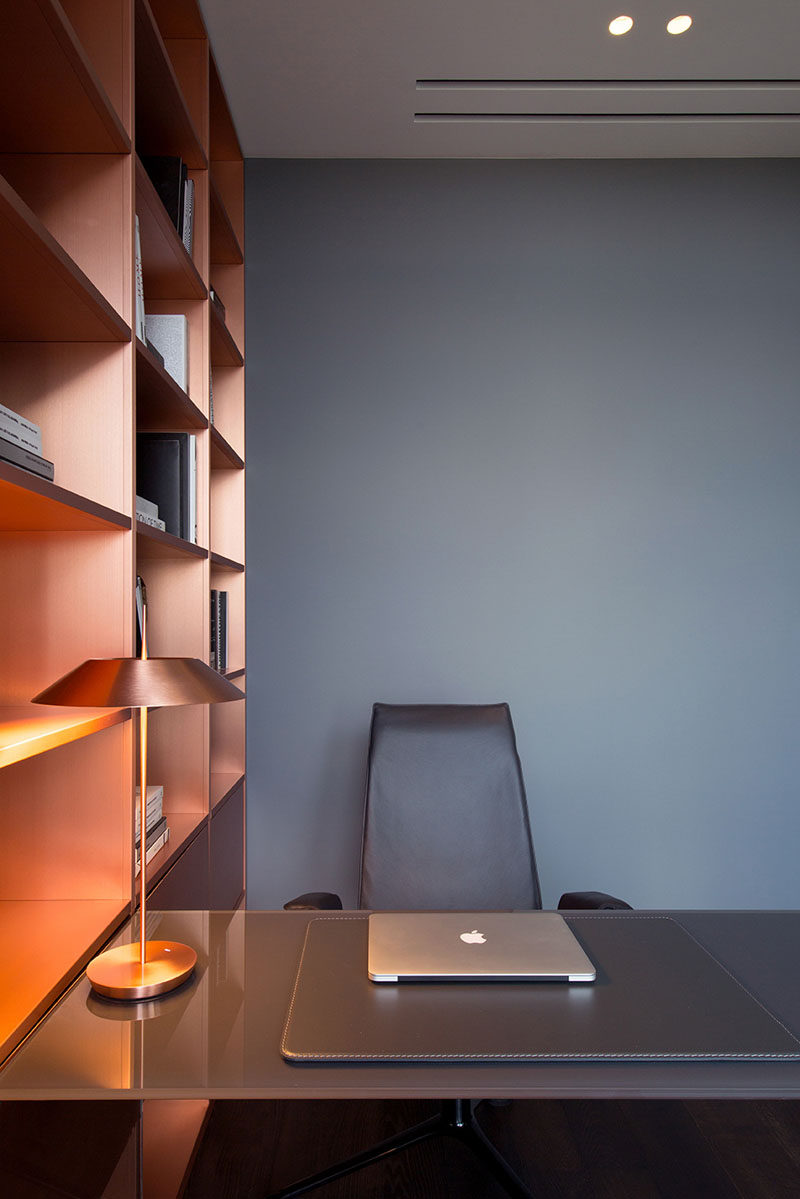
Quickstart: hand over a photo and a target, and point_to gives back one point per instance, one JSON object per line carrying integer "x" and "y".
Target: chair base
{"x": 455, "y": 1119}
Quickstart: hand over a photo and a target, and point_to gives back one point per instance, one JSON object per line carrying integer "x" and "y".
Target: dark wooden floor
{"x": 599, "y": 1149}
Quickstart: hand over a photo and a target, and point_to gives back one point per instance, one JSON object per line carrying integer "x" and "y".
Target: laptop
{"x": 474, "y": 947}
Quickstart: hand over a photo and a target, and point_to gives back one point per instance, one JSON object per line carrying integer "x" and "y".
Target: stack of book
{"x": 21, "y": 444}
{"x": 219, "y": 631}
{"x": 155, "y": 823}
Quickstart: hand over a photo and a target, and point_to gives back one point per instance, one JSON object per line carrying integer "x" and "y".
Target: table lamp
{"x": 148, "y": 968}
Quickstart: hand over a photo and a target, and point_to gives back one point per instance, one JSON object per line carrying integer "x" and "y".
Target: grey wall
{"x": 530, "y": 431}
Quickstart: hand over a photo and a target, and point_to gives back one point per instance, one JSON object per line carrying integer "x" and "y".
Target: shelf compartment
{"x": 163, "y": 123}
{"x": 160, "y": 403}
{"x": 225, "y": 246}
{"x": 222, "y": 455}
{"x": 45, "y": 944}
{"x": 153, "y": 543}
{"x": 183, "y": 828}
{"x": 53, "y": 298}
{"x": 168, "y": 270}
{"x": 222, "y": 786}
{"x": 27, "y": 731}
{"x": 31, "y": 504}
{"x": 61, "y": 107}
{"x": 224, "y": 350}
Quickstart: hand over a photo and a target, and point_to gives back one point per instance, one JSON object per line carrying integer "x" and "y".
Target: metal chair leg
{"x": 456, "y": 1119}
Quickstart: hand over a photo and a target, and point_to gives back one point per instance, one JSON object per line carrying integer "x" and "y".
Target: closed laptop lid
{"x": 473, "y": 947}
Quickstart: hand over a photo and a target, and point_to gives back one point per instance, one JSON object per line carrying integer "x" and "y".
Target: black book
{"x": 168, "y": 175}
{"x": 166, "y": 475}
{"x": 222, "y": 631}
{"x": 213, "y": 646}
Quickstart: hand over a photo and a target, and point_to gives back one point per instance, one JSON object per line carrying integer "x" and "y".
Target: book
{"x": 145, "y": 507}
{"x": 17, "y": 455}
{"x": 154, "y": 809}
{"x": 169, "y": 333}
{"x": 168, "y": 175}
{"x": 210, "y": 396}
{"x": 153, "y": 521}
{"x": 221, "y": 631}
{"x": 166, "y": 474}
{"x": 140, "y": 317}
{"x": 140, "y": 600}
{"x": 212, "y": 659}
{"x": 20, "y": 430}
{"x": 187, "y": 227}
{"x": 155, "y": 840}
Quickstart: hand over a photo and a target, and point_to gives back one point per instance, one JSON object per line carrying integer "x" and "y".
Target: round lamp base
{"x": 118, "y": 972}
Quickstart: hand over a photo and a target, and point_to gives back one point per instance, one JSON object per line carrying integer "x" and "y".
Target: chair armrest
{"x": 313, "y": 901}
{"x": 595, "y": 900}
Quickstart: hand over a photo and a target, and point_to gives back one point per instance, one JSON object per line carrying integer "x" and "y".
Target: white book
{"x": 141, "y": 331}
{"x": 146, "y": 506}
{"x": 169, "y": 333}
{"x": 144, "y": 518}
{"x": 18, "y": 429}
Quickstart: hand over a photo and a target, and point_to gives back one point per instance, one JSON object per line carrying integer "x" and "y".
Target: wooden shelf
{"x": 60, "y": 107}
{"x": 153, "y": 543}
{"x": 219, "y": 562}
{"x": 169, "y": 272}
{"x": 222, "y": 455}
{"x": 224, "y": 350}
{"x": 163, "y": 123}
{"x": 160, "y": 403}
{"x": 53, "y": 300}
{"x": 225, "y": 246}
{"x": 31, "y": 504}
{"x": 224, "y": 140}
{"x": 44, "y": 945}
{"x": 32, "y": 729}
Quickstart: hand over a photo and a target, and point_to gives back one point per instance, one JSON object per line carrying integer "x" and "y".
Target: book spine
{"x": 222, "y": 642}
{"x": 13, "y": 429}
{"x": 152, "y": 850}
{"x": 188, "y": 215}
{"x": 144, "y": 518}
{"x": 213, "y": 648}
{"x": 141, "y": 327}
{"x": 21, "y": 421}
{"x": 17, "y": 455}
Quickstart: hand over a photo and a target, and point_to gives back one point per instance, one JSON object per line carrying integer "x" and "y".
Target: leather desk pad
{"x": 658, "y": 995}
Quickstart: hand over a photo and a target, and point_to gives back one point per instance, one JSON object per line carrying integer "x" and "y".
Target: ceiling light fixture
{"x": 679, "y": 24}
{"x": 620, "y": 25}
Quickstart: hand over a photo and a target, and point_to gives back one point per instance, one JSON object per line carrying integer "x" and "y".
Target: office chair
{"x": 446, "y": 827}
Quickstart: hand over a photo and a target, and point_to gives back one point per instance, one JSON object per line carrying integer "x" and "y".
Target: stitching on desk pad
{"x": 533, "y": 1057}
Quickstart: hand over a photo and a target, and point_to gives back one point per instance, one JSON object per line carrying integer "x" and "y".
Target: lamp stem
{"x": 142, "y": 832}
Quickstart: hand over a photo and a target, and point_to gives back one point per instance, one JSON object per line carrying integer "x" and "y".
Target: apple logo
{"x": 473, "y": 938}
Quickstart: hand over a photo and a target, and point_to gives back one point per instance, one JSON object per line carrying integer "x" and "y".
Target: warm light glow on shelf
{"x": 679, "y": 24}
{"x": 620, "y": 25}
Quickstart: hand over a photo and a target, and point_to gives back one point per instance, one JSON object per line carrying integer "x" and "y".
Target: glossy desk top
{"x": 219, "y": 1035}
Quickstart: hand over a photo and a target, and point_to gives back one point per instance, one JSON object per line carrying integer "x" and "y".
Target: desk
{"x": 218, "y": 1037}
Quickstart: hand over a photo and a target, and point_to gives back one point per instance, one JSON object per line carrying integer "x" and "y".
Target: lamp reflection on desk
{"x": 143, "y": 969}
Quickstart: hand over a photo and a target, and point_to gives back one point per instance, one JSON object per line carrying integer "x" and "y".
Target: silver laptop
{"x": 474, "y": 947}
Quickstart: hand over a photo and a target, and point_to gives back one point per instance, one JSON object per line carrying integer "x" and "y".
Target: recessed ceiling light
{"x": 620, "y": 25}
{"x": 679, "y": 24}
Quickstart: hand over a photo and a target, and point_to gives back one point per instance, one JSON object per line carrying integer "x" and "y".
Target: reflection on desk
{"x": 219, "y": 1035}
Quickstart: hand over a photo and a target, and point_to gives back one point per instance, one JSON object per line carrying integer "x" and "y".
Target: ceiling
{"x": 508, "y": 78}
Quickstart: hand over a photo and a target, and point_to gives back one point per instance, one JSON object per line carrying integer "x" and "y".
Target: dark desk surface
{"x": 219, "y": 1035}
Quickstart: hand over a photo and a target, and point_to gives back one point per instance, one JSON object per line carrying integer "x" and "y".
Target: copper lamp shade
{"x": 145, "y": 969}
{"x": 139, "y": 683}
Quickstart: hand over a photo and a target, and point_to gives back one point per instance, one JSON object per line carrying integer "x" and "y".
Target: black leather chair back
{"x": 446, "y": 817}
